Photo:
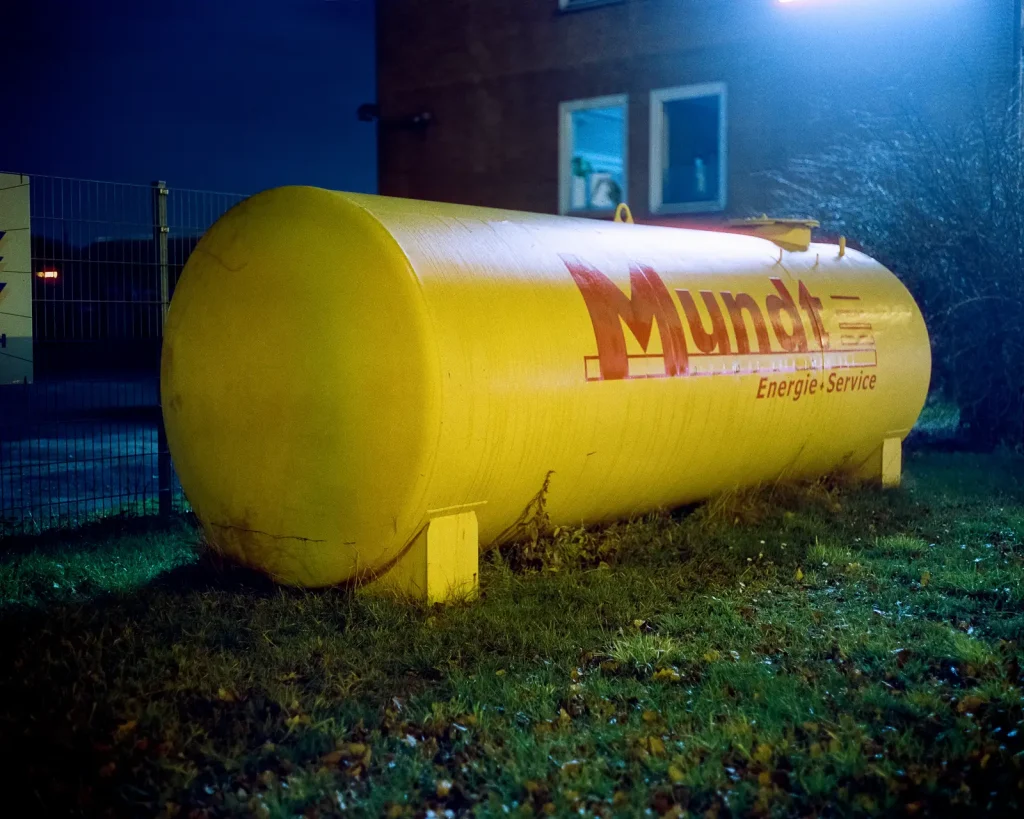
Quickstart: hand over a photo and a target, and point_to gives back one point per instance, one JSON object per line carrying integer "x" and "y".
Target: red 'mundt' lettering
{"x": 707, "y": 341}
{"x": 813, "y": 307}
{"x": 794, "y": 341}
{"x": 649, "y": 301}
{"x": 736, "y": 305}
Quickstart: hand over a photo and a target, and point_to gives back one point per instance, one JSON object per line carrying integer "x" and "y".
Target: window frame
{"x": 658, "y": 98}
{"x": 565, "y": 144}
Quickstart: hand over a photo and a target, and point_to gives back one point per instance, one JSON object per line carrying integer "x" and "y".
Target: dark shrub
{"x": 943, "y": 207}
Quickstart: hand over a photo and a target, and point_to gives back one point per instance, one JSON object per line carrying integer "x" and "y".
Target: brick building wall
{"x": 493, "y": 72}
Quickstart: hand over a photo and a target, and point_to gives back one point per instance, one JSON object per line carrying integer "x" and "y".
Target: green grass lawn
{"x": 819, "y": 650}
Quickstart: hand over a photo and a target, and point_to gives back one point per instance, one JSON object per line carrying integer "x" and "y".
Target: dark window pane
{"x": 690, "y": 155}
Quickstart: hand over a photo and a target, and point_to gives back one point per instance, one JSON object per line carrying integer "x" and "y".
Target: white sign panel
{"x": 15, "y": 280}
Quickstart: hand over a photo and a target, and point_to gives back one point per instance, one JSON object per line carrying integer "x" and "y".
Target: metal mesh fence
{"x": 84, "y": 439}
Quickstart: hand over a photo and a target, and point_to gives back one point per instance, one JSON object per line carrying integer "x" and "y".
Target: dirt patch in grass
{"x": 817, "y": 650}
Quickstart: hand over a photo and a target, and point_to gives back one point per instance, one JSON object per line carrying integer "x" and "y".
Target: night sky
{"x": 228, "y": 95}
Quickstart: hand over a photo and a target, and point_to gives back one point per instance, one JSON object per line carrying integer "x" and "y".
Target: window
{"x": 688, "y": 149}
{"x": 592, "y": 154}
{"x": 579, "y": 5}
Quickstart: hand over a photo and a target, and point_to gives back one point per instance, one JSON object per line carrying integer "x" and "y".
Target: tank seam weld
{"x": 268, "y": 534}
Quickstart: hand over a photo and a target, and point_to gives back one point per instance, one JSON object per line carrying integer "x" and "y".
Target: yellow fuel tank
{"x": 339, "y": 370}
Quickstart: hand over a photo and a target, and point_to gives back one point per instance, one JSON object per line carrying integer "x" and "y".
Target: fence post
{"x": 160, "y": 231}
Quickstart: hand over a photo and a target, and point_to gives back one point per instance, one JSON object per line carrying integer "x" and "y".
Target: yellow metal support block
{"x": 884, "y": 464}
{"x": 892, "y": 462}
{"x": 443, "y": 563}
